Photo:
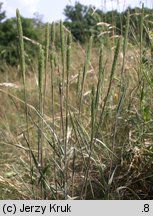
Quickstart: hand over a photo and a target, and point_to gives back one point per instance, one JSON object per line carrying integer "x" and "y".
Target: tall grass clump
{"x": 22, "y": 61}
{"x": 84, "y": 119}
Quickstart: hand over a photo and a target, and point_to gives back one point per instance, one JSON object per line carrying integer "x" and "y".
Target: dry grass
{"x": 94, "y": 136}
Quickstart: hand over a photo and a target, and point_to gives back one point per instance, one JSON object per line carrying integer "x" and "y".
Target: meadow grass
{"x": 80, "y": 126}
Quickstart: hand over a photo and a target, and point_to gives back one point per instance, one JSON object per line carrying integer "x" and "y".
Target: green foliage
{"x": 82, "y": 21}
{"x": 9, "y": 39}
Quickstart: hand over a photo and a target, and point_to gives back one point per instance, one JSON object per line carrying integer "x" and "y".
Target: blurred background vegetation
{"x": 83, "y": 21}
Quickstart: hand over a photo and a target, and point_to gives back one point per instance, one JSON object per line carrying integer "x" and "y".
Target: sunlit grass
{"x": 81, "y": 126}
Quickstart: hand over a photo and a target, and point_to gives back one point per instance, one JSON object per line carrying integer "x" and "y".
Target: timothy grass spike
{"x": 40, "y": 118}
{"x": 85, "y": 69}
{"x": 21, "y": 45}
{"x": 47, "y": 41}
